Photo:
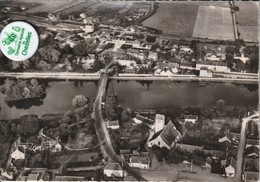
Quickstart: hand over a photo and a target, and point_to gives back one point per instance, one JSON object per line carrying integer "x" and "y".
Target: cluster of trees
{"x": 136, "y": 136}
{"x": 16, "y": 90}
{"x": 26, "y": 127}
{"x": 177, "y": 155}
{"x": 235, "y": 64}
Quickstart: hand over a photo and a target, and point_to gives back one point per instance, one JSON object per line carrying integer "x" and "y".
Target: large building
{"x": 166, "y": 137}
{"x": 214, "y": 66}
{"x": 113, "y": 170}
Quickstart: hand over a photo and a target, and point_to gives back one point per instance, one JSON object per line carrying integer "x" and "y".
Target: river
{"x": 132, "y": 94}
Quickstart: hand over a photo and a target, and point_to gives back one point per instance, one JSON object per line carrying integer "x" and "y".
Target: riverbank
{"x": 133, "y": 77}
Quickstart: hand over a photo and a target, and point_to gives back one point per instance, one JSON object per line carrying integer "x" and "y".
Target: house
{"x": 212, "y": 57}
{"x": 86, "y": 62}
{"x": 159, "y": 122}
{"x": 204, "y": 72}
{"x": 113, "y": 170}
{"x": 251, "y": 164}
{"x": 189, "y": 148}
{"x": 167, "y": 137}
{"x": 141, "y": 162}
{"x": 214, "y": 66}
{"x": 216, "y": 154}
{"x": 87, "y": 28}
{"x": 127, "y": 63}
{"x": 252, "y": 151}
{"x": 230, "y": 169}
{"x": 166, "y": 73}
{"x": 230, "y": 137}
{"x": 137, "y": 121}
{"x": 242, "y": 57}
{"x": 114, "y": 125}
{"x": 190, "y": 118}
{"x": 187, "y": 65}
{"x": 153, "y": 56}
{"x": 252, "y": 142}
{"x": 185, "y": 49}
{"x": 18, "y": 155}
{"x": 251, "y": 176}
{"x": 69, "y": 178}
{"x": 143, "y": 118}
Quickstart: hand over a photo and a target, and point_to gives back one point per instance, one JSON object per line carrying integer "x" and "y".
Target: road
{"x": 137, "y": 77}
{"x": 102, "y": 131}
{"x": 242, "y": 144}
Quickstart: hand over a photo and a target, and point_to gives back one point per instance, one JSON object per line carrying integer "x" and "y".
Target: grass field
{"x": 174, "y": 18}
{"x": 214, "y": 22}
{"x": 249, "y": 33}
{"x": 248, "y": 13}
{"x": 247, "y": 17}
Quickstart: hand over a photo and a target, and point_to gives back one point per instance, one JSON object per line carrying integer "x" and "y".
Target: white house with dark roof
{"x": 139, "y": 162}
{"x": 252, "y": 142}
{"x": 114, "y": 125}
{"x": 167, "y": 137}
{"x": 231, "y": 168}
{"x": 18, "y": 155}
{"x": 230, "y": 137}
{"x": 113, "y": 170}
{"x": 204, "y": 72}
{"x": 190, "y": 118}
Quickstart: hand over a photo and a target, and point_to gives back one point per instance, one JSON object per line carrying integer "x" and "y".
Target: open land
{"x": 247, "y": 18}
{"x": 214, "y": 23}
{"x": 173, "y": 19}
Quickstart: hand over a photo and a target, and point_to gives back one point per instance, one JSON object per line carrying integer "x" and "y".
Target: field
{"x": 214, "y": 23}
{"x": 51, "y": 5}
{"x": 247, "y": 17}
{"x": 174, "y": 18}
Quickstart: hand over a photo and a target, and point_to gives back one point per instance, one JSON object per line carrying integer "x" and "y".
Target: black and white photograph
{"x": 122, "y": 90}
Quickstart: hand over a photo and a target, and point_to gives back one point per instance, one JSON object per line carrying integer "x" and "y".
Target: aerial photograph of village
{"x": 144, "y": 90}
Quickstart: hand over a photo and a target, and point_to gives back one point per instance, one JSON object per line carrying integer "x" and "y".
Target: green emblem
{"x": 16, "y": 28}
{"x": 10, "y": 50}
{"x": 9, "y": 39}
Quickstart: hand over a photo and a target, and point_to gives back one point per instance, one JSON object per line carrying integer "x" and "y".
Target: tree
{"x": 221, "y": 103}
{"x": 175, "y": 156}
{"x": 98, "y": 65}
{"x": 81, "y": 49}
{"x": 79, "y": 101}
{"x": 198, "y": 157}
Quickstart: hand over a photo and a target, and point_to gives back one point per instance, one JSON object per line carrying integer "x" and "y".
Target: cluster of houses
{"x": 17, "y": 155}
{"x": 251, "y": 156}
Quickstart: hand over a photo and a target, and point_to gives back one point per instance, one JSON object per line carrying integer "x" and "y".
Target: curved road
{"x": 102, "y": 132}
{"x": 242, "y": 144}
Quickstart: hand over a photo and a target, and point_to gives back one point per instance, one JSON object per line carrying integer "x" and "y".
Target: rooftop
{"x": 169, "y": 133}
{"x": 113, "y": 166}
{"x": 139, "y": 159}
{"x": 113, "y": 123}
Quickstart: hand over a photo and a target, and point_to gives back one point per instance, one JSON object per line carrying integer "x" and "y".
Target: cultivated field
{"x": 247, "y": 17}
{"x": 51, "y": 5}
{"x": 248, "y": 13}
{"x": 249, "y": 33}
{"x": 174, "y": 18}
{"x": 214, "y": 22}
